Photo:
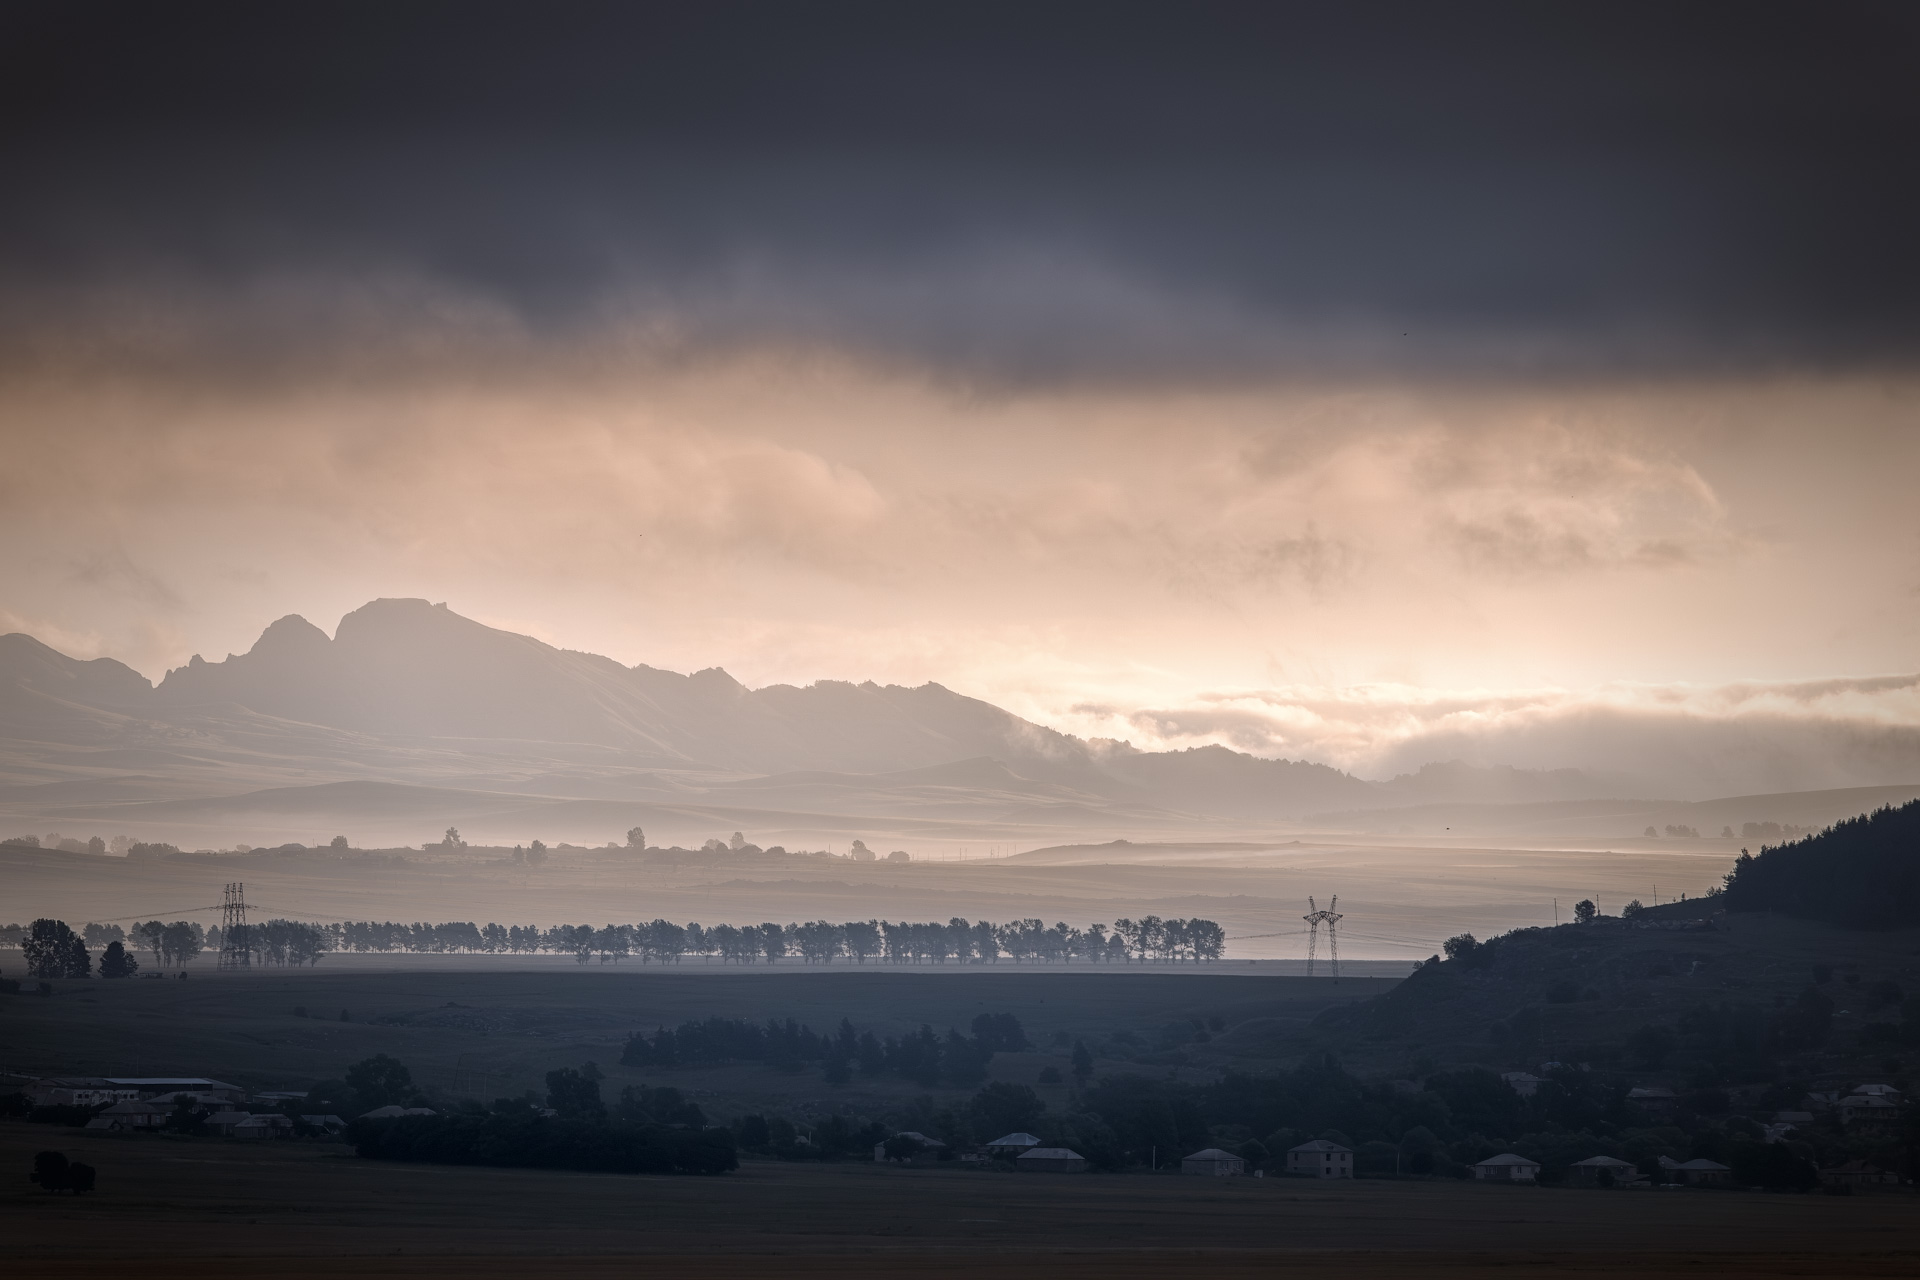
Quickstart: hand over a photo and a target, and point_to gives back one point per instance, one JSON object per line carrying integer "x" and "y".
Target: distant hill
{"x": 410, "y": 694}
{"x": 1863, "y": 873}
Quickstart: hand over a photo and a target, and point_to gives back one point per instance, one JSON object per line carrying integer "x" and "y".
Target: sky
{"x": 1366, "y": 383}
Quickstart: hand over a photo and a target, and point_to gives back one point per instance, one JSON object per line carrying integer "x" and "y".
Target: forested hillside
{"x": 1863, "y": 873}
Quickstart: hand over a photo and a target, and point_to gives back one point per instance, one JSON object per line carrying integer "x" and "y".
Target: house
{"x": 148, "y": 1086}
{"x": 268, "y": 1126}
{"x": 1524, "y": 1083}
{"x": 325, "y": 1124}
{"x": 131, "y": 1116}
{"x": 1587, "y": 1173}
{"x": 394, "y": 1113}
{"x": 1656, "y": 1099}
{"x": 1214, "y": 1163}
{"x": 1320, "y": 1159}
{"x": 1868, "y": 1112}
{"x": 1051, "y": 1160}
{"x": 1886, "y": 1091}
{"x": 1793, "y": 1117}
{"x": 1507, "y": 1167}
{"x": 225, "y": 1122}
{"x": 275, "y": 1097}
{"x": 1012, "y": 1144}
{"x": 77, "y": 1091}
{"x": 929, "y": 1147}
{"x": 1697, "y": 1173}
{"x": 1858, "y": 1173}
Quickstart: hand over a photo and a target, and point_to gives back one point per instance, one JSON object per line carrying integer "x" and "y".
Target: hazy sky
{"x": 1351, "y": 381}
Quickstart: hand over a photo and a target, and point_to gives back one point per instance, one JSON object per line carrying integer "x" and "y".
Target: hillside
{"x": 1863, "y": 873}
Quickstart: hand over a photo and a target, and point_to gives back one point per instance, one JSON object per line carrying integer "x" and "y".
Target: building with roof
{"x": 1507, "y": 1167}
{"x": 1868, "y": 1112}
{"x": 1051, "y": 1160}
{"x": 132, "y": 1116}
{"x": 325, "y": 1124}
{"x": 1655, "y": 1099}
{"x": 77, "y": 1091}
{"x": 1320, "y": 1159}
{"x": 394, "y": 1113}
{"x": 1697, "y": 1173}
{"x": 1214, "y": 1163}
{"x": 262, "y": 1127}
{"x": 1012, "y": 1144}
{"x": 930, "y": 1148}
{"x": 1619, "y": 1173}
{"x": 1858, "y": 1173}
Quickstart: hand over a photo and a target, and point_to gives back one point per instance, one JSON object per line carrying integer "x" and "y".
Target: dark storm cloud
{"x": 1028, "y": 189}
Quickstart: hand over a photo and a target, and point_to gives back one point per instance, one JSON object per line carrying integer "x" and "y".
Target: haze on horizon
{"x": 1368, "y": 384}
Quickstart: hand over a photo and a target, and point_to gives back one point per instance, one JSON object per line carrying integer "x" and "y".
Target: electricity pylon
{"x": 1330, "y": 918}
{"x": 236, "y": 948}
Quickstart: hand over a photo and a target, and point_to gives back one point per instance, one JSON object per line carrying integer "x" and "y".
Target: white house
{"x": 1051, "y": 1160}
{"x": 1321, "y": 1159}
{"x": 1214, "y": 1163}
{"x": 1507, "y": 1167}
{"x": 1012, "y": 1144}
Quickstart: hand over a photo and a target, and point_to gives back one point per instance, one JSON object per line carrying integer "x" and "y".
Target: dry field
{"x": 210, "y": 1208}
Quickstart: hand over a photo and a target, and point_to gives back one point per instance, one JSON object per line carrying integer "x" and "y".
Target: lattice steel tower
{"x": 1331, "y": 918}
{"x": 236, "y": 948}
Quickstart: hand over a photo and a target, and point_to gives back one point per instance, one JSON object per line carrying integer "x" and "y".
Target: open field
{"x": 489, "y": 1032}
{"x": 210, "y": 1207}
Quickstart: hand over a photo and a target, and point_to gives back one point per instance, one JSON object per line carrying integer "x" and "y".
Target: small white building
{"x": 1214, "y": 1163}
{"x": 1012, "y": 1144}
{"x": 1507, "y": 1167}
{"x": 1697, "y": 1173}
{"x": 1051, "y": 1160}
{"x": 1321, "y": 1159}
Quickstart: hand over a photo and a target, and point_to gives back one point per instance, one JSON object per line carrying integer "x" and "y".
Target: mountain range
{"x": 410, "y": 713}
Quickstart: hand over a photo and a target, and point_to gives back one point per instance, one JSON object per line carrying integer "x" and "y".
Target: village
{"x": 203, "y": 1106}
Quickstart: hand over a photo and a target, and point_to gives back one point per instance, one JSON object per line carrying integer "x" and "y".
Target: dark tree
{"x": 52, "y": 950}
{"x": 50, "y": 1170}
{"x": 1584, "y": 912}
{"x": 80, "y": 1178}
{"x": 1006, "y": 1108}
{"x": 1082, "y": 1062}
{"x": 574, "y": 1095}
{"x": 1863, "y": 873}
{"x": 380, "y": 1081}
{"x": 636, "y": 838}
{"x": 338, "y": 844}
{"x": 753, "y": 1132}
{"x": 116, "y": 963}
{"x": 999, "y": 1032}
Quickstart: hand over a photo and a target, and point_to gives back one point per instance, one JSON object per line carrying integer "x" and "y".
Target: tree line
{"x": 924, "y": 1057}
{"x": 1147, "y": 940}
{"x": 1863, "y": 873}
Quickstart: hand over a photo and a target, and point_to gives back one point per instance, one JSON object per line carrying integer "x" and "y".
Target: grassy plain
{"x": 214, "y": 1208}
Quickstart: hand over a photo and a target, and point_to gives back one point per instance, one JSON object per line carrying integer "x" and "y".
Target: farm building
{"x": 1214, "y": 1163}
{"x": 1012, "y": 1144}
{"x": 1507, "y": 1167}
{"x": 1051, "y": 1160}
{"x": 1321, "y": 1159}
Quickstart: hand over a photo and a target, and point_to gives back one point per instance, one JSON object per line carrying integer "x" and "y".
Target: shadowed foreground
{"x": 212, "y": 1209}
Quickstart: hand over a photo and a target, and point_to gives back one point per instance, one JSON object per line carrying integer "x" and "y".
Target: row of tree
{"x": 1149, "y": 939}
{"x": 1863, "y": 873}
{"x": 53, "y": 950}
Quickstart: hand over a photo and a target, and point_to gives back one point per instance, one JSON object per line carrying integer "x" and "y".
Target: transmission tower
{"x": 236, "y": 948}
{"x": 1331, "y": 918}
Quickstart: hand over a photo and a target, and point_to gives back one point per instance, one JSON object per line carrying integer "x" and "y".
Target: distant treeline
{"x": 1149, "y": 939}
{"x": 1863, "y": 873}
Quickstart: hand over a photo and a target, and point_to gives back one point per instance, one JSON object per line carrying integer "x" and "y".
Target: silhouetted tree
{"x": 338, "y": 844}
{"x": 574, "y": 1095}
{"x": 52, "y": 950}
{"x": 636, "y": 838}
{"x": 380, "y": 1081}
{"x": 116, "y": 963}
{"x": 1584, "y": 912}
{"x": 1082, "y": 1062}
